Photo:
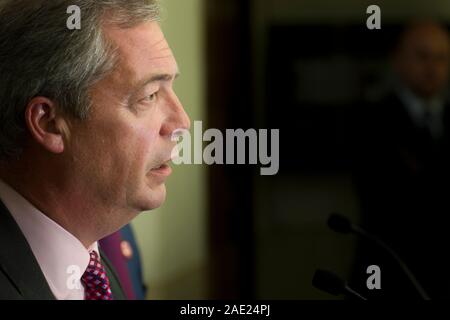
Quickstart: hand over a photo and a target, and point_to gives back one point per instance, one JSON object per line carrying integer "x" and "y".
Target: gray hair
{"x": 40, "y": 56}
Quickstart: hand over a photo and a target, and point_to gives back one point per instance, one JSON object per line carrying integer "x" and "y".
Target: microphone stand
{"x": 341, "y": 224}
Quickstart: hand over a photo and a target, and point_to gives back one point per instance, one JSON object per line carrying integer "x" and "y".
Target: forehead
{"x": 143, "y": 49}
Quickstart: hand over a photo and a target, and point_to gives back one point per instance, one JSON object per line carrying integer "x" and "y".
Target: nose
{"x": 176, "y": 119}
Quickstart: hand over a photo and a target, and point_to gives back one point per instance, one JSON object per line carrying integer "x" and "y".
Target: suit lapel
{"x": 114, "y": 281}
{"x": 18, "y": 262}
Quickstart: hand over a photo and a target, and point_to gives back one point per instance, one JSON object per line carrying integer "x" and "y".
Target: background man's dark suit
{"x": 402, "y": 176}
{"x": 20, "y": 274}
{"x": 126, "y": 261}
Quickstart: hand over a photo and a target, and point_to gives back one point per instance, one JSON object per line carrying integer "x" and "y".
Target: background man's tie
{"x": 95, "y": 280}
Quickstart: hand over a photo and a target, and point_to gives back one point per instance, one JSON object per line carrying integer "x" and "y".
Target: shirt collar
{"x": 60, "y": 255}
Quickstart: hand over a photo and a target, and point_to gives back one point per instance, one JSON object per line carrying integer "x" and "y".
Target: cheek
{"x": 146, "y": 147}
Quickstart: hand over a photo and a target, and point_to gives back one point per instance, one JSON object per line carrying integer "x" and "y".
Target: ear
{"x": 44, "y": 124}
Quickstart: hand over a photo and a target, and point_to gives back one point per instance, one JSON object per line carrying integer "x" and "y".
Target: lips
{"x": 161, "y": 164}
{"x": 160, "y": 167}
{"x": 163, "y": 169}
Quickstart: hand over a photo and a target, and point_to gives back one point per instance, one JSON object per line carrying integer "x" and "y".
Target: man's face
{"x": 119, "y": 150}
{"x": 423, "y": 60}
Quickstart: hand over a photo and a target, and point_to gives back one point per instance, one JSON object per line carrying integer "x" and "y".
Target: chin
{"x": 153, "y": 198}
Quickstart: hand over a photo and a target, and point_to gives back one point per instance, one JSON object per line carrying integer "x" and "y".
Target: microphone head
{"x": 329, "y": 282}
{"x": 339, "y": 223}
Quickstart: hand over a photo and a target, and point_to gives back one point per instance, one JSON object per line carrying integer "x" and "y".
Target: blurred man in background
{"x": 404, "y": 167}
{"x": 122, "y": 250}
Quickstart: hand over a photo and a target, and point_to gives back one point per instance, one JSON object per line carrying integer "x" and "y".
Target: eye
{"x": 151, "y": 98}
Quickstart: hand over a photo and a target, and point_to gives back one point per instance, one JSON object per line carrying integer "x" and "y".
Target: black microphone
{"x": 329, "y": 282}
{"x": 342, "y": 224}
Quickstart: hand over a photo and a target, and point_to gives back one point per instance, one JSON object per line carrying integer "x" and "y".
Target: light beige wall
{"x": 173, "y": 238}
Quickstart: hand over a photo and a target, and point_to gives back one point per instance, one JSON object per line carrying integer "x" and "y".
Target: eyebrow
{"x": 155, "y": 78}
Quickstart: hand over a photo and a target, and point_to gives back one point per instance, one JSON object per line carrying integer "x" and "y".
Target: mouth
{"x": 163, "y": 169}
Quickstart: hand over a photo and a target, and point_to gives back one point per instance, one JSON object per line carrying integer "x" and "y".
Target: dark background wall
{"x": 303, "y": 67}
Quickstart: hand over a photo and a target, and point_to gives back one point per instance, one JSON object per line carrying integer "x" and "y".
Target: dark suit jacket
{"x": 20, "y": 274}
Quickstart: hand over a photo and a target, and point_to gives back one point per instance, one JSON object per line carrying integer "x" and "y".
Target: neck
{"x": 64, "y": 203}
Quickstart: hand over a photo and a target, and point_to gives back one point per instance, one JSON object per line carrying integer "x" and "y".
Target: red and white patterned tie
{"x": 95, "y": 280}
